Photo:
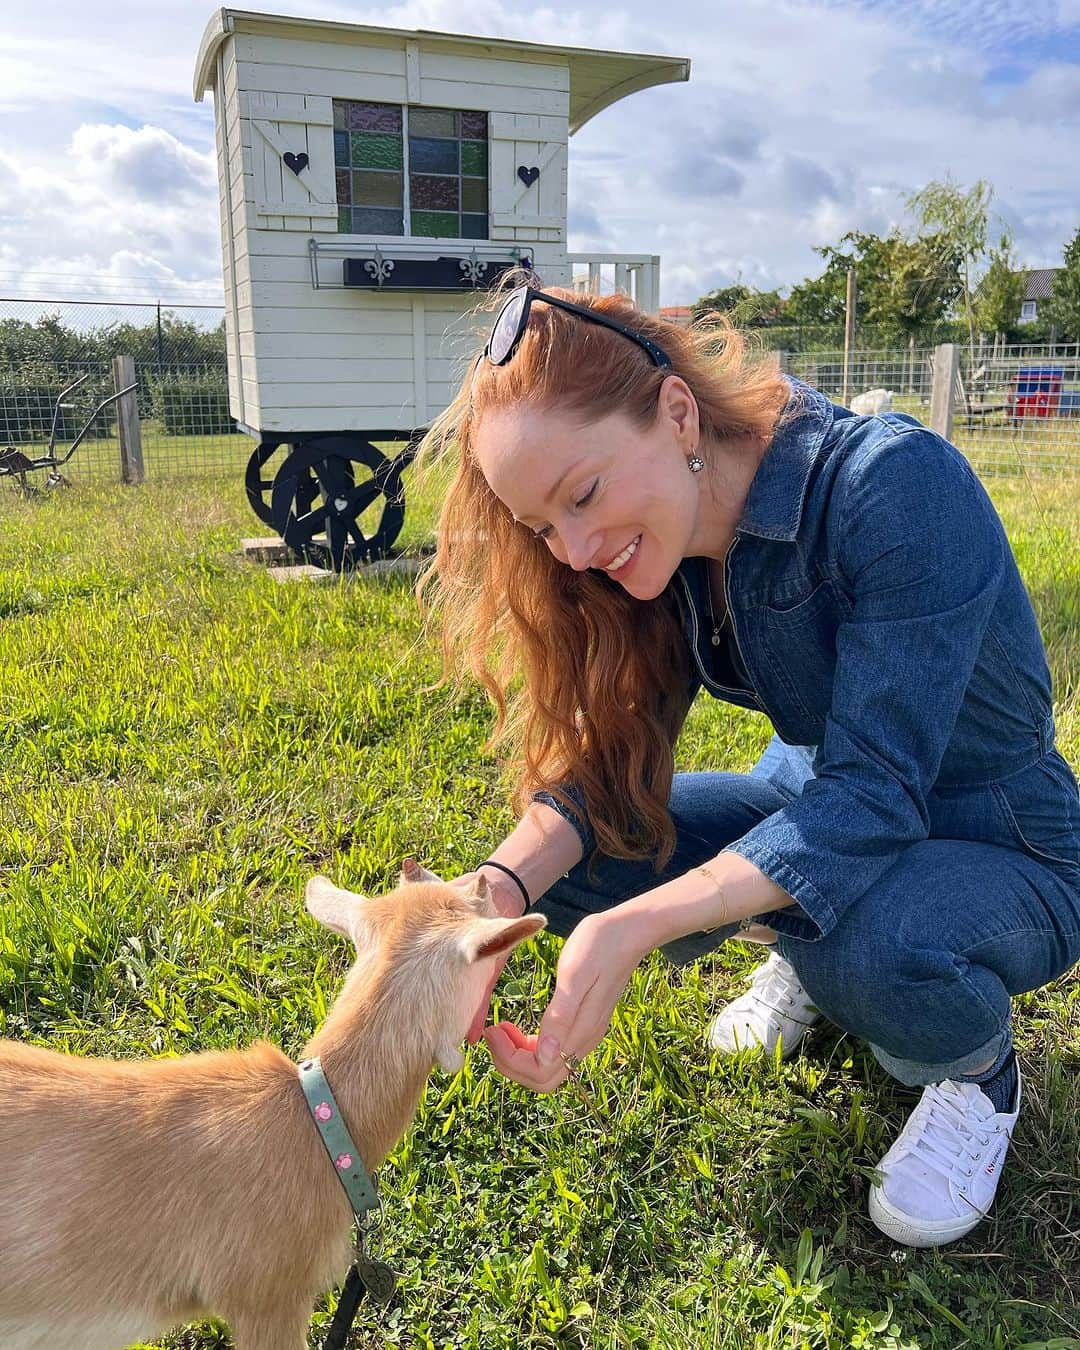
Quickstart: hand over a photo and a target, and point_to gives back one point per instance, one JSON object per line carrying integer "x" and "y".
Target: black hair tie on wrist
{"x": 490, "y": 862}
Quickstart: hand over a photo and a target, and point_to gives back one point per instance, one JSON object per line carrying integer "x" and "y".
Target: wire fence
{"x": 181, "y": 386}
{"x": 1015, "y": 409}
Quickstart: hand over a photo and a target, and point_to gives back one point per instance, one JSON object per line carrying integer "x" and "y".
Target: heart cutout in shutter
{"x": 298, "y": 163}
{"x": 528, "y": 176}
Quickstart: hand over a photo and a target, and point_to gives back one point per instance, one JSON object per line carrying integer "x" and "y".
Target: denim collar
{"x": 774, "y": 503}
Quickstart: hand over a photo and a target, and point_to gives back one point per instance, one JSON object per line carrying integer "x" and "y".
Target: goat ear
{"x": 492, "y": 937}
{"x": 411, "y": 871}
{"x": 334, "y": 908}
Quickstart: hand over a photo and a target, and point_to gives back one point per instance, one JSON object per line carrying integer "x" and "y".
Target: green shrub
{"x": 26, "y": 411}
{"x": 192, "y": 403}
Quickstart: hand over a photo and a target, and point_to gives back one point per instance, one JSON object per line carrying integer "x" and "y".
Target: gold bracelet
{"x": 744, "y": 923}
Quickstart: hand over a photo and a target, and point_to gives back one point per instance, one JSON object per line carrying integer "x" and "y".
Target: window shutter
{"x": 299, "y": 125}
{"x": 520, "y": 209}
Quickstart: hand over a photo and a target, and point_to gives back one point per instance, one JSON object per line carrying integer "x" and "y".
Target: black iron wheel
{"x": 324, "y": 529}
{"x": 259, "y": 479}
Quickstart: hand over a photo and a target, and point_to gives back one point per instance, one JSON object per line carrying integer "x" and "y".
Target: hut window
{"x": 426, "y": 166}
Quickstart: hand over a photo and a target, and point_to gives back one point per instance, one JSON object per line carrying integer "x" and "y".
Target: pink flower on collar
{"x": 343, "y": 1161}
{"x": 323, "y": 1111}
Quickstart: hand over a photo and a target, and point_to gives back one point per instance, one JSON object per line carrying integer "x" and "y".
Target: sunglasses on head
{"x": 513, "y": 319}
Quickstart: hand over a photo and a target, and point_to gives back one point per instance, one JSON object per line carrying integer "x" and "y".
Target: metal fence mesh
{"x": 1015, "y": 409}
{"x": 180, "y": 371}
{"x": 1019, "y": 409}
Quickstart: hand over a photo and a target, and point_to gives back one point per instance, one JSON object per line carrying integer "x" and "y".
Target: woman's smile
{"x": 618, "y": 565}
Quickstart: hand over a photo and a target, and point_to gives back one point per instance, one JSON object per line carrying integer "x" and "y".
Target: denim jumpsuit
{"x": 912, "y": 801}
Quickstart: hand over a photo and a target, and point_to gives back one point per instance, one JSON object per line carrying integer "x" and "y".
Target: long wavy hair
{"x": 589, "y": 684}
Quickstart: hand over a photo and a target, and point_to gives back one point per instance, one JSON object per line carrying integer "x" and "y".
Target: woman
{"x": 639, "y": 512}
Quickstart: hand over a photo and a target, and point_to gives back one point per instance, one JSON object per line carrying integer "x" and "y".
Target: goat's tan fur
{"x": 135, "y": 1196}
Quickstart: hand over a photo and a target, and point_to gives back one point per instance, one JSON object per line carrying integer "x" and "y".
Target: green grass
{"x": 184, "y": 742}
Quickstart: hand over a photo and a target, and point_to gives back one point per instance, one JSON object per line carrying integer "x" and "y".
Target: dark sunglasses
{"x": 514, "y": 317}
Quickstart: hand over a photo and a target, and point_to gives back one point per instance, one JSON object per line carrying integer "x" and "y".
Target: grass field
{"x": 184, "y": 742}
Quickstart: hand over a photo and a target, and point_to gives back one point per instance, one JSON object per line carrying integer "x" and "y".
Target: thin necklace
{"x": 717, "y": 628}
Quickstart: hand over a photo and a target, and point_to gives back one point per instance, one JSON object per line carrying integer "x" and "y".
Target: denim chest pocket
{"x": 799, "y": 643}
{"x": 1041, "y": 807}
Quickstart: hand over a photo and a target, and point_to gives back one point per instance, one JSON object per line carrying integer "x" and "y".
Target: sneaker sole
{"x": 911, "y": 1233}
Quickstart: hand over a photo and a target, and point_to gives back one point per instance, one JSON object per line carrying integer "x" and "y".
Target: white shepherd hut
{"x": 372, "y": 180}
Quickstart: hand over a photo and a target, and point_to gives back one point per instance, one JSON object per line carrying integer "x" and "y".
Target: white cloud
{"x": 120, "y": 211}
{"x": 136, "y": 165}
{"x": 801, "y": 120}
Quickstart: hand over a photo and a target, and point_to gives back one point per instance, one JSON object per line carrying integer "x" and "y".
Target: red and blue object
{"x": 1038, "y": 391}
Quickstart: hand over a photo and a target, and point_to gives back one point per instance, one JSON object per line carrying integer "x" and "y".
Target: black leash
{"x": 352, "y": 1294}
{"x": 366, "y": 1276}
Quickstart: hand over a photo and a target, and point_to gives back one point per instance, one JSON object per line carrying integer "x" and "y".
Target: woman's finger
{"x": 514, "y": 1055}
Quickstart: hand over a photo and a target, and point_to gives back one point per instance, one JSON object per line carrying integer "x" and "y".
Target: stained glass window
{"x": 426, "y": 165}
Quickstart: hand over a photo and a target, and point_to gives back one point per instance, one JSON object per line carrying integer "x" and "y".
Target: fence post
{"x": 946, "y": 369}
{"x": 849, "y": 333}
{"x": 127, "y": 422}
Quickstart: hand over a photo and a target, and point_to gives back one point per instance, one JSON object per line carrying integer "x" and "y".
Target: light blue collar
{"x": 337, "y": 1141}
{"x": 774, "y": 504}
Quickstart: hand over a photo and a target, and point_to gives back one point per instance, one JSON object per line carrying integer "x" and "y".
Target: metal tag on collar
{"x": 379, "y": 1280}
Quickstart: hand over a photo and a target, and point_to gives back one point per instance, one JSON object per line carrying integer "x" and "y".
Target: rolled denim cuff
{"x": 814, "y": 905}
{"x": 575, "y": 815}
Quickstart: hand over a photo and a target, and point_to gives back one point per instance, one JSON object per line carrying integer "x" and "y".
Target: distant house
{"x": 1039, "y": 284}
{"x": 680, "y": 314}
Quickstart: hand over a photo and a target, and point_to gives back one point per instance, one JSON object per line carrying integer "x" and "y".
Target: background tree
{"x": 763, "y": 309}
{"x": 1062, "y": 310}
{"x": 960, "y": 220}
{"x": 904, "y": 286}
{"x": 918, "y": 283}
{"x": 726, "y": 299}
{"x": 745, "y": 306}
{"x": 1000, "y": 294}
{"x": 822, "y": 300}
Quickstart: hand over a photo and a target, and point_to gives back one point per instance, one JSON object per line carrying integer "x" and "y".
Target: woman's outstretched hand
{"x": 594, "y": 969}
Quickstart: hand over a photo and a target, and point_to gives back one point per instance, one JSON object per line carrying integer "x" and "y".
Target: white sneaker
{"x": 775, "y": 1006}
{"x": 941, "y": 1174}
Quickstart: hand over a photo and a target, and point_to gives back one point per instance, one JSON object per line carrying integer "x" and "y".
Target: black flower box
{"x": 452, "y": 273}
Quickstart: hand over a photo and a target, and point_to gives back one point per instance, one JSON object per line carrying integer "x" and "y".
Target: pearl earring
{"x": 695, "y": 463}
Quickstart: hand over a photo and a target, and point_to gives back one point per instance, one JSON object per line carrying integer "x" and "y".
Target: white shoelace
{"x": 771, "y": 986}
{"x": 945, "y": 1132}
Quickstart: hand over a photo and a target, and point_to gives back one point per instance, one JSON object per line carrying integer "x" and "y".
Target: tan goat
{"x": 135, "y": 1196}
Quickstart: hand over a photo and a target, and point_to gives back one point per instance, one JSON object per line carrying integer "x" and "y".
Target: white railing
{"x": 636, "y": 274}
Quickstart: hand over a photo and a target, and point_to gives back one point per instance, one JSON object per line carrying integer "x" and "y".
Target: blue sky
{"x": 801, "y": 121}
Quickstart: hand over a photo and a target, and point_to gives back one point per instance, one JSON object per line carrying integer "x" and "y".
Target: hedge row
{"x": 192, "y": 403}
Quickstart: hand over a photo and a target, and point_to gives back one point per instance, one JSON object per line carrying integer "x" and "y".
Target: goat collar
{"x": 337, "y": 1141}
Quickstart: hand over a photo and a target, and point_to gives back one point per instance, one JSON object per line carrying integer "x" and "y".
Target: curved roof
{"x": 597, "y": 78}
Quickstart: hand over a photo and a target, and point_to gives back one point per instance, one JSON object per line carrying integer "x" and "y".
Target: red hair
{"x": 589, "y": 684}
